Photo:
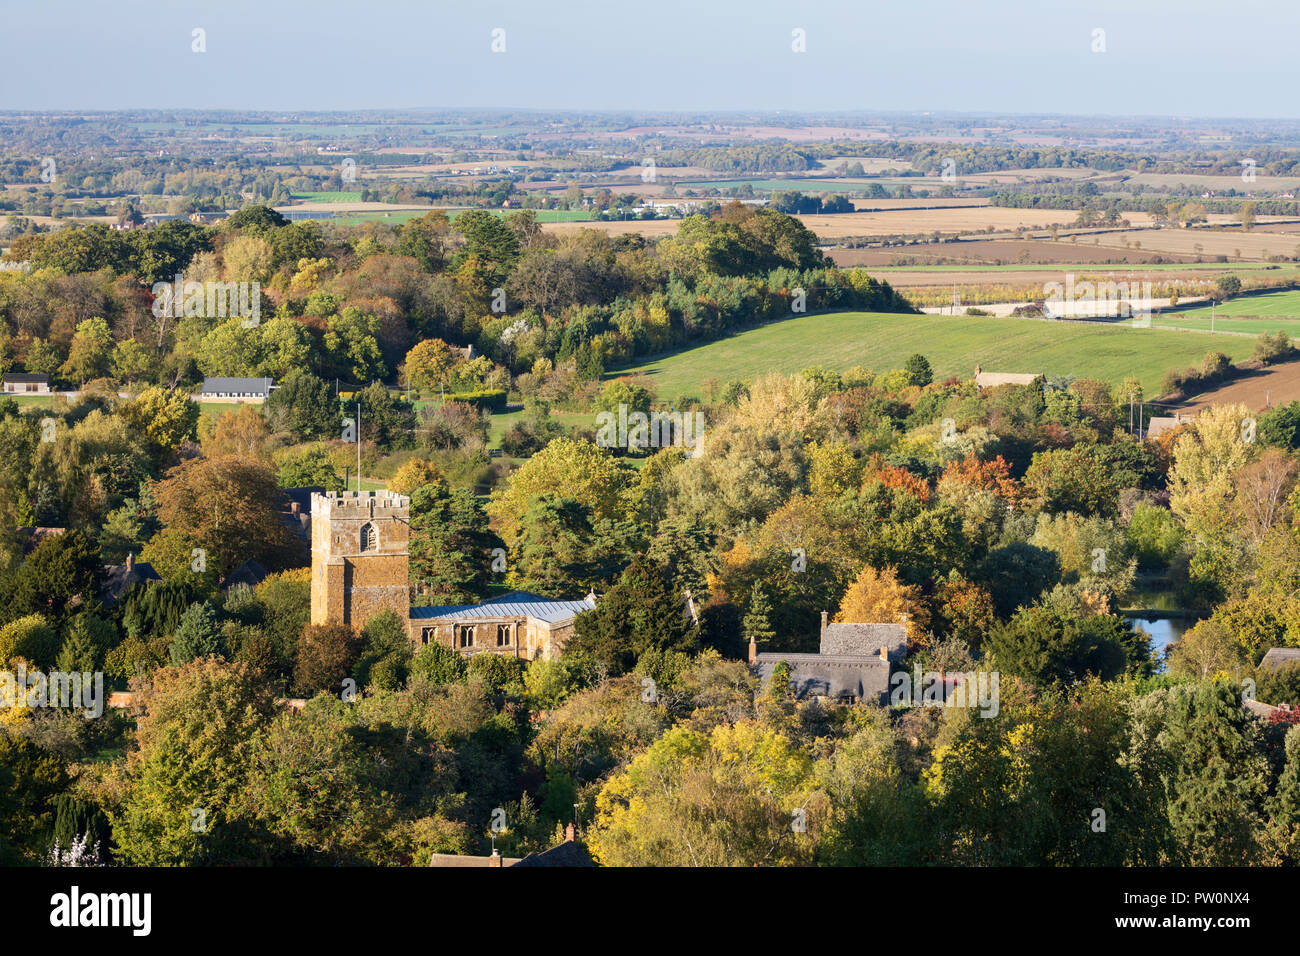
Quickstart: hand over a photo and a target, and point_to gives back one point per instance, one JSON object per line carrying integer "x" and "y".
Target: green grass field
{"x": 402, "y": 215}
{"x": 954, "y": 346}
{"x": 40, "y": 401}
{"x": 543, "y": 215}
{"x": 357, "y": 218}
{"x": 1251, "y": 313}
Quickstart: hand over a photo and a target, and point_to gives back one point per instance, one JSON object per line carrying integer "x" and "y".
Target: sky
{"x": 1190, "y": 58}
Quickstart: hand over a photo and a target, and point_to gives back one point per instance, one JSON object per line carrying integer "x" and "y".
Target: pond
{"x": 1163, "y": 631}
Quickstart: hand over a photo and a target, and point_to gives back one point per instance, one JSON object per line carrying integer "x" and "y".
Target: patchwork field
{"x": 1266, "y": 388}
{"x": 1008, "y": 253}
{"x": 954, "y": 346}
{"x": 1208, "y": 242}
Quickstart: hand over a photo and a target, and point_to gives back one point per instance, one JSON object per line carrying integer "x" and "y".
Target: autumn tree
{"x": 231, "y": 508}
{"x": 741, "y": 795}
{"x": 880, "y": 597}
{"x": 240, "y": 432}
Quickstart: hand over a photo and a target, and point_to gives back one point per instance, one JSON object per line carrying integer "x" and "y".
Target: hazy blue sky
{"x": 1192, "y": 57}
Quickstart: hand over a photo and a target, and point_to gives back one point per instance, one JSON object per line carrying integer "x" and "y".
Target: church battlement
{"x": 343, "y": 504}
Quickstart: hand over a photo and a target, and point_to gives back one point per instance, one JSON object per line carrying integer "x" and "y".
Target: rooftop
{"x": 218, "y": 384}
{"x": 514, "y": 604}
{"x": 1277, "y": 656}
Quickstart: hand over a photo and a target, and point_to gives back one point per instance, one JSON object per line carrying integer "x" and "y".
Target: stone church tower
{"x": 360, "y": 556}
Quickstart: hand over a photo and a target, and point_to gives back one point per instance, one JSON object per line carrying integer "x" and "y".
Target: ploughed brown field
{"x": 1002, "y": 251}
{"x": 1209, "y": 242}
{"x": 1277, "y": 385}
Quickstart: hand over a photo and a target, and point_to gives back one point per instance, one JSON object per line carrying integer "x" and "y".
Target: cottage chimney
{"x": 294, "y": 508}
{"x": 753, "y": 651}
{"x": 130, "y": 562}
{"x": 495, "y": 858}
{"x": 824, "y": 616}
{"x": 570, "y": 834}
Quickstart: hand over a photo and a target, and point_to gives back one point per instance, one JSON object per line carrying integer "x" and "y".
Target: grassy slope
{"x": 1285, "y": 305}
{"x": 953, "y": 345}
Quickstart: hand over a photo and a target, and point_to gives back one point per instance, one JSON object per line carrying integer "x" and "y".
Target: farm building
{"x": 237, "y": 389}
{"x": 1159, "y": 424}
{"x": 993, "y": 379}
{"x": 26, "y": 383}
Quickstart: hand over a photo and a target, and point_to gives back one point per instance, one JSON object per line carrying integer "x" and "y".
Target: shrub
{"x": 1273, "y": 347}
{"x": 493, "y": 399}
{"x": 438, "y": 664}
{"x": 31, "y": 638}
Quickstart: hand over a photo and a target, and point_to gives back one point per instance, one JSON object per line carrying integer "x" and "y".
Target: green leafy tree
{"x": 184, "y": 778}
{"x": 450, "y": 545}
{"x": 643, "y": 611}
{"x": 758, "y": 619}
{"x": 198, "y": 634}
{"x": 304, "y": 405}
{"x": 918, "y": 370}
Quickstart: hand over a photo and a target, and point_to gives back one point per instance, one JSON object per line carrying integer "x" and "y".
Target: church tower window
{"x": 369, "y": 537}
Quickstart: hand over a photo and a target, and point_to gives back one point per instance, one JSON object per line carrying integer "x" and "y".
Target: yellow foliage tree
{"x": 414, "y": 474}
{"x": 877, "y": 597}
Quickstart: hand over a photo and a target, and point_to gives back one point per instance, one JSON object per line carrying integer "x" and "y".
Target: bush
{"x": 1280, "y": 427}
{"x": 498, "y": 671}
{"x": 1215, "y": 366}
{"x": 1154, "y": 534}
{"x": 1273, "y": 347}
{"x": 1280, "y": 685}
{"x": 493, "y": 399}
{"x": 438, "y": 664}
{"x": 31, "y": 638}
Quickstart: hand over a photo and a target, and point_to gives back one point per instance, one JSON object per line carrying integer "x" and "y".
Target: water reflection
{"x": 1162, "y": 631}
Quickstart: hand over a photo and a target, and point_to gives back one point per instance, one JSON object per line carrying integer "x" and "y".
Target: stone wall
{"x": 529, "y": 638}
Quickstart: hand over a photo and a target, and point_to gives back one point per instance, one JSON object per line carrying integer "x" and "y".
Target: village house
{"x": 120, "y": 578}
{"x": 1157, "y": 425}
{"x": 852, "y": 664}
{"x": 25, "y": 383}
{"x": 237, "y": 389}
{"x": 568, "y": 853}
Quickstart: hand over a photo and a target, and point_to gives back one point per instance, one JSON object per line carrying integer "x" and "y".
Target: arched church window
{"x": 369, "y": 537}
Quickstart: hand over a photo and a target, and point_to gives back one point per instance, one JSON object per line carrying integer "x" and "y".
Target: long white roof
{"x": 514, "y": 604}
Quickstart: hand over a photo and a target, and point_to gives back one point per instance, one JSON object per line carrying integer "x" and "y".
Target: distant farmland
{"x": 1282, "y": 305}
{"x": 954, "y": 346}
